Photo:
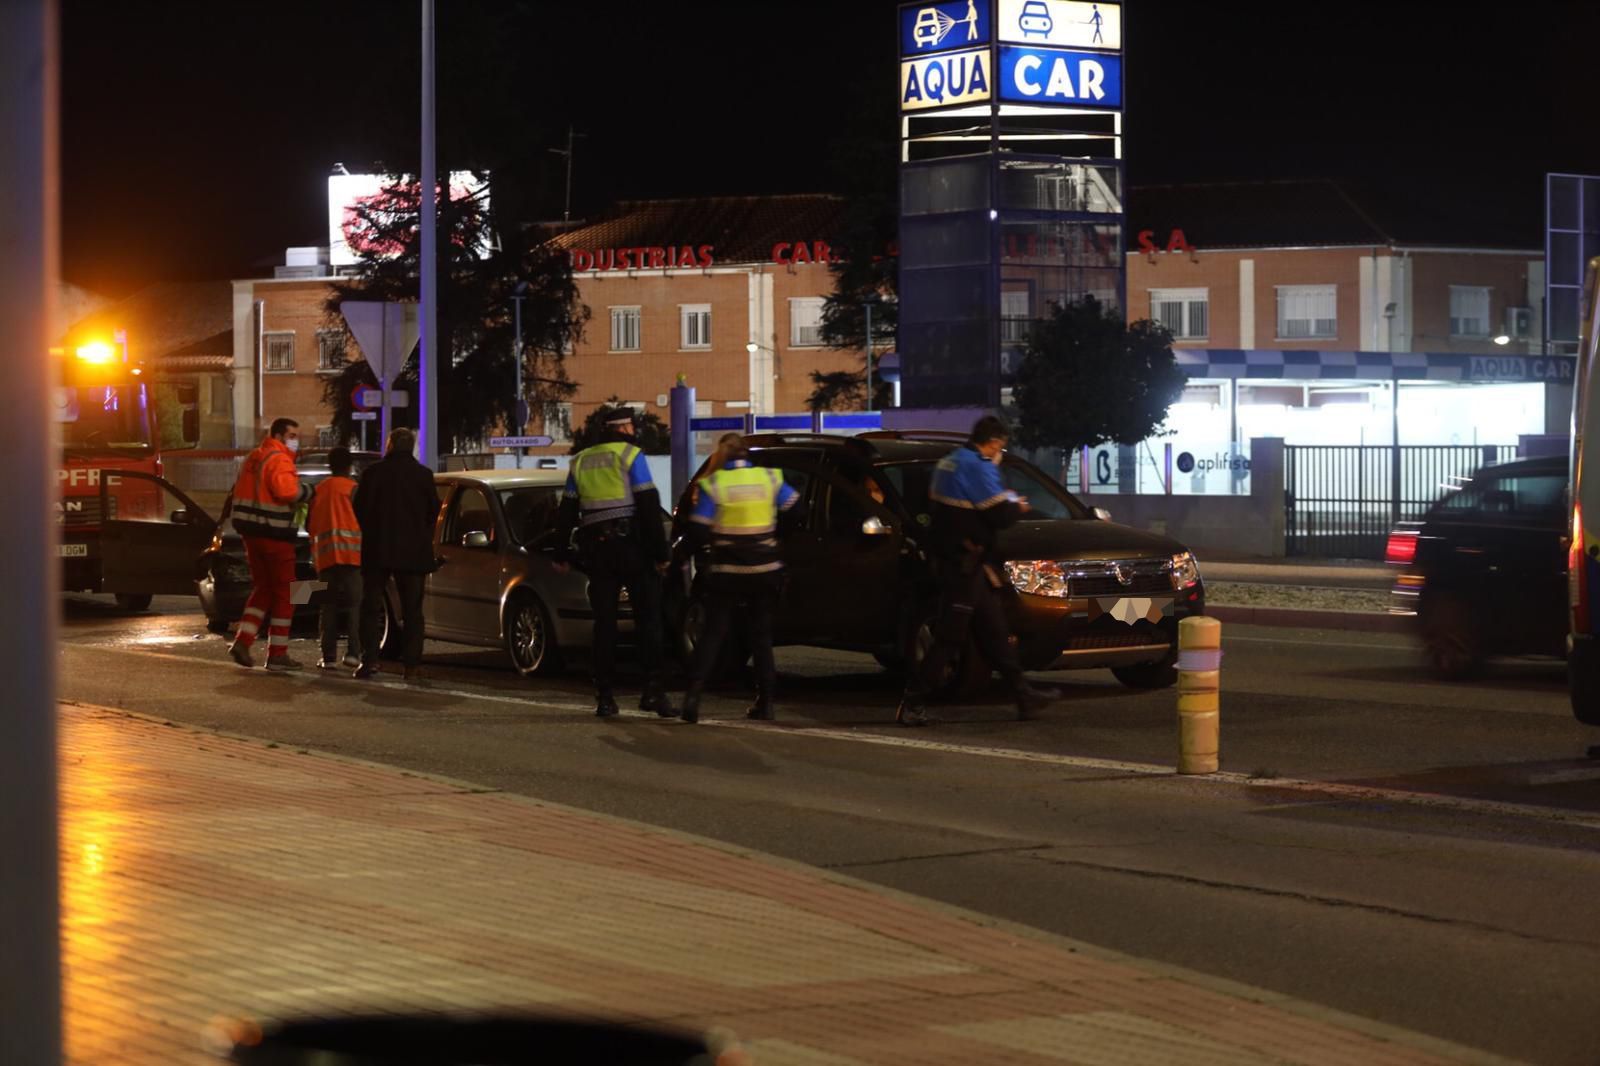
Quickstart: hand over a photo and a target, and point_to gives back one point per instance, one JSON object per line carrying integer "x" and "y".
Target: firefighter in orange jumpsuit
{"x": 265, "y": 499}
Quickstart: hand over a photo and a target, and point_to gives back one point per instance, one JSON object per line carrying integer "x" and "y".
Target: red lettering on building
{"x": 780, "y": 253}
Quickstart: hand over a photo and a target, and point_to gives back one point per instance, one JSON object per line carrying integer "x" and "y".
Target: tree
{"x": 650, "y": 433}
{"x": 478, "y": 273}
{"x": 1088, "y": 377}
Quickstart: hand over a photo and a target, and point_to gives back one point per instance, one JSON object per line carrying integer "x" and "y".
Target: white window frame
{"x": 266, "y": 351}
{"x": 558, "y": 422}
{"x": 1319, "y": 327}
{"x": 620, "y": 315}
{"x": 1191, "y": 305}
{"x": 694, "y": 327}
{"x": 1459, "y": 308}
{"x": 324, "y": 336}
{"x": 796, "y": 303}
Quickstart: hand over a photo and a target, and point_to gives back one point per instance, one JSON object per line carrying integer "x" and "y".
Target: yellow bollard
{"x": 1199, "y": 696}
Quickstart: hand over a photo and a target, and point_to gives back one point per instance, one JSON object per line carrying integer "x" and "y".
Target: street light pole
{"x": 867, "y": 305}
{"x": 427, "y": 355}
{"x": 519, "y": 412}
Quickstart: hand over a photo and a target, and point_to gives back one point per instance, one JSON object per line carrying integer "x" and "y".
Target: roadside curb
{"x": 1310, "y": 618}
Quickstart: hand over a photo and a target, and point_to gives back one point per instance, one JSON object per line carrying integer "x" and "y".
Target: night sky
{"x": 197, "y": 137}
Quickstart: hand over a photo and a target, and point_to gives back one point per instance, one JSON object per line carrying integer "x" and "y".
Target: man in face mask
{"x": 265, "y": 499}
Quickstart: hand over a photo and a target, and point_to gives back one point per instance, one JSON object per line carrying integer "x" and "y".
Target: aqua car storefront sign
{"x": 1060, "y": 76}
{"x": 947, "y": 79}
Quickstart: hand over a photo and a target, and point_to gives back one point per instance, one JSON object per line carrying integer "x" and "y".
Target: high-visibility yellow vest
{"x": 746, "y": 499}
{"x": 603, "y": 476}
{"x": 335, "y": 533}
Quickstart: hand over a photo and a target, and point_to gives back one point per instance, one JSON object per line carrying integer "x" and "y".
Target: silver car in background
{"x": 498, "y": 586}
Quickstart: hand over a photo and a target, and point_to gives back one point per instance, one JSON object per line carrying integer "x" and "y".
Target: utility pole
{"x": 521, "y": 409}
{"x": 566, "y": 209}
{"x": 428, "y": 356}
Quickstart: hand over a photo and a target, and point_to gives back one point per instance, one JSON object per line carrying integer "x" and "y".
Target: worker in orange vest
{"x": 265, "y": 499}
{"x": 336, "y": 553}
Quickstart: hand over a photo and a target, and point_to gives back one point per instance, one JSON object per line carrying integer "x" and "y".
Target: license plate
{"x": 80, "y": 551}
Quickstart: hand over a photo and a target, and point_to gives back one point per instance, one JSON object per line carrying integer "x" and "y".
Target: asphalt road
{"x": 1418, "y": 852}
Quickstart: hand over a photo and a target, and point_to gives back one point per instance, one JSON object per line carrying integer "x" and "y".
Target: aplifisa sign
{"x": 945, "y": 80}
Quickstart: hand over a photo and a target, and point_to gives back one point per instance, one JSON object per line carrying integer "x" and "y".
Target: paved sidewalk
{"x": 208, "y": 876}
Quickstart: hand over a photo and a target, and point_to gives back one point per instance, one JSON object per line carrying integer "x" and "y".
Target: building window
{"x": 1185, "y": 312}
{"x": 221, "y": 392}
{"x": 625, "y": 329}
{"x": 558, "y": 422}
{"x": 1469, "y": 311}
{"x": 1307, "y": 311}
{"x": 326, "y": 438}
{"x": 1016, "y": 316}
{"x": 330, "y": 350}
{"x": 279, "y": 352}
{"x": 695, "y": 326}
{"x": 805, "y": 322}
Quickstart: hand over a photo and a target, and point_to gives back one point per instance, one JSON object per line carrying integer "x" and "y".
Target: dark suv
{"x": 1485, "y": 571}
{"x": 1083, "y": 592}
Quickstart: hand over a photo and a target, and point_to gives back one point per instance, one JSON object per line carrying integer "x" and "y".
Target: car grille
{"x": 1148, "y": 577}
{"x": 1130, "y": 638}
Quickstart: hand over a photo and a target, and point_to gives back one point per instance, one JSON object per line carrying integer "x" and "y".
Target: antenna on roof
{"x": 566, "y": 210}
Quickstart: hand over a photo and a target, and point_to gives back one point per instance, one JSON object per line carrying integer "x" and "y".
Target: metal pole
{"x": 428, "y": 355}
{"x": 30, "y": 961}
{"x": 516, "y": 412}
{"x": 868, "y": 306}
{"x": 566, "y": 207}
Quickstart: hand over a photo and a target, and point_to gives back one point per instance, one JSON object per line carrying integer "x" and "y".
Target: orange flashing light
{"x": 98, "y": 353}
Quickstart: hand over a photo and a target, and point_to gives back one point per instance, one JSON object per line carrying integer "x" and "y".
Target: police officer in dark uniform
{"x": 736, "y": 511}
{"x": 622, "y": 543}
{"x": 971, "y": 505}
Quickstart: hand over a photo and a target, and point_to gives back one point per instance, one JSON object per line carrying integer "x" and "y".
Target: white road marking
{"x": 1405, "y": 649}
{"x": 1326, "y": 789}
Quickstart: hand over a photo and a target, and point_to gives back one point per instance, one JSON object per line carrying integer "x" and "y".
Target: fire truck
{"x": 111, "y": 417}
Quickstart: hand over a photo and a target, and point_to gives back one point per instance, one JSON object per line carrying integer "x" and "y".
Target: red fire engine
{"x": 107, "y": 410}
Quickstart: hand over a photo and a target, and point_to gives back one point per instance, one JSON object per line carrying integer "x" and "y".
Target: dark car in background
{"x": 1485, "y": 571}
{"x": 1083, "y": 592}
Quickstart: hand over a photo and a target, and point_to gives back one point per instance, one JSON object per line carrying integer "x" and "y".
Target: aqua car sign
{"x": 1059, "y": 76}
{"x": 946, "y": 79}
{"x": 1060, "y": 23}
{"x": 927, "y": 28}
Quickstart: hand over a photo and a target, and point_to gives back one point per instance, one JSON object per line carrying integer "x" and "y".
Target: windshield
{"x": 1046, "y": 499}
{"x": 105, "y": 416}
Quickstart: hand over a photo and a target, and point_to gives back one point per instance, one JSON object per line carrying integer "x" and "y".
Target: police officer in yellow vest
{"x": 736, "y": 511}
{"x": 622, "y": 543}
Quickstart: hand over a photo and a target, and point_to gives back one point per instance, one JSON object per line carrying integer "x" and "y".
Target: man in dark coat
{"x": 397, "y": 505}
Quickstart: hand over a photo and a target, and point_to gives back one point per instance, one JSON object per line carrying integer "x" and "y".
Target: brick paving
{"x": 209, "y": 877}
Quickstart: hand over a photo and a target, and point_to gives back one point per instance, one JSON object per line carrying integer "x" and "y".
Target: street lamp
{"x": 1503, "y": 339}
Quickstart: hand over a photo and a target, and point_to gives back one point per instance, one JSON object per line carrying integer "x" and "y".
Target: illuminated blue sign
{"x": 1058, "y": 76}
{"x": 928, "y": 28}
{"x": 945, "y": 80}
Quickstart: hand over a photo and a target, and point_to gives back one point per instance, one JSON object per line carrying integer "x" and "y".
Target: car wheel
{"x": 530, "y": 640}
{"x": 205, "y": 590}
{"x": 1451, "y": 642}
{"x": 968, "y": 675}
{"x": 134, "y": 601}
{"x": 1160, "y": 674}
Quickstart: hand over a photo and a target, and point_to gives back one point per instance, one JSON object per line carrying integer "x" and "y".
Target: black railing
{"x": 1341, "y": 500}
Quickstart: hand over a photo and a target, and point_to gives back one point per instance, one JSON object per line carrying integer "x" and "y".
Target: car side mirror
{"x": 1102, "y": 514}
{"x": 874, "y": 527}
{"x": 475, "y": 539}
{"x": 181, "y": 517}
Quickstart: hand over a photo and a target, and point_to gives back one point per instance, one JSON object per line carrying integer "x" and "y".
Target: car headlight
{"x": 1185, "y": 571}
{"x": 1040, "y": 577}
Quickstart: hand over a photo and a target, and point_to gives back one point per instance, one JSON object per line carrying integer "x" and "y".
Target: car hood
{"x": 1088, "y": 539}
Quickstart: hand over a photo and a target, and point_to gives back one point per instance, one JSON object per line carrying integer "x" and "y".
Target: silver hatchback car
{"x": 498, "y": 586}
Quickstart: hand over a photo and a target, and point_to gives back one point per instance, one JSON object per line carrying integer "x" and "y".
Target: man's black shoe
{"x": 691, "y": 705}
{"x": 605, "y": 705}
{"x": 1032, "y": 701}
{"x": 761, "y": 710}
{"x": 658, "y": 701}
{"x": 911, "y": 714}
{"x": 365, "y": 671}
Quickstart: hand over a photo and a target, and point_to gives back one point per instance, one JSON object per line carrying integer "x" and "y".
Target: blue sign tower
{"x": 1011, "y": 183}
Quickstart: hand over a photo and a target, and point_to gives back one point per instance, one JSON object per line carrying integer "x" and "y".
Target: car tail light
{"x": 1401, "y": 549}
{"x": 1577, "y": 575}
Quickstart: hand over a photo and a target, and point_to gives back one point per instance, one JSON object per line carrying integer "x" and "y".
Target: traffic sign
{"x": 364, "y": 416}
{"x": 386, "y": 333}
{"x": 374, "y": 398}
{"x": 520, "y": 442}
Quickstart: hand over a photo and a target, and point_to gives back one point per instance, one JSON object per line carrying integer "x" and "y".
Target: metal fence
{"x": 1341, "y": 501}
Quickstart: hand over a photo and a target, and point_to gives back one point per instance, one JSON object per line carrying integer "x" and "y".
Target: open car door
{"x": 152, "y": 535}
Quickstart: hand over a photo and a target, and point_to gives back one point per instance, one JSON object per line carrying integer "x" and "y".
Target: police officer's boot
{"x": 1030, "y": 701}
{"x": 691, "y": 703}
{"x": 655, "y": 698}
{"x": 605, "y": 704}
{"x": 913, "y": 711}
{"x": 761, "y": 710}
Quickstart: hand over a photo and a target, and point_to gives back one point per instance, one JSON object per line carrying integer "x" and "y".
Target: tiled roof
{"x": 1322, "y": 212}
{"x": 743, "y": 229}
{"x": 210, "y": 353}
